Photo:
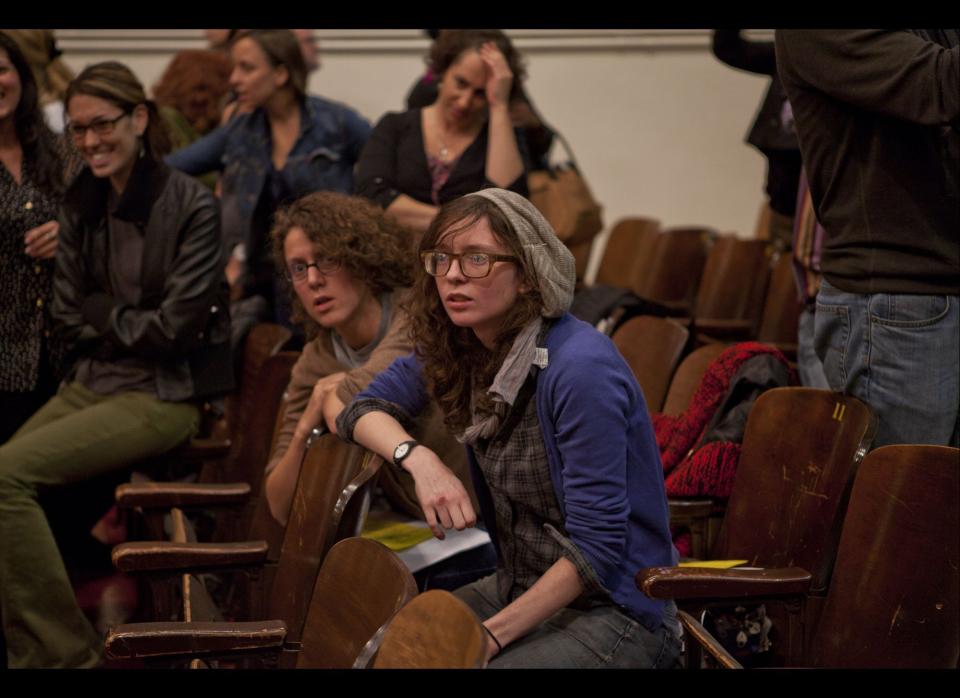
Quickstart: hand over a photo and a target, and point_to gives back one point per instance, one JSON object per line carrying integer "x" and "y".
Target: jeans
{"x": 602, "y": 637}
{"x": 898, "y": 353}
{"x": 809, "y": 365}
{"x": 76, "y": 436}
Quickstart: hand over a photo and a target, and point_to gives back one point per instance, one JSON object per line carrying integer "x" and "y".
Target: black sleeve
{"x": 753, "y": 56}
{"x": 175, "y": 327}
{"x": 69, "y": 285}
{"x": 894, "y": 73}
{"x": 376, "y": 175}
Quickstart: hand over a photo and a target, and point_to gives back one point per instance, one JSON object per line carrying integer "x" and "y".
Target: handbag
{"x": 561, "y": 194}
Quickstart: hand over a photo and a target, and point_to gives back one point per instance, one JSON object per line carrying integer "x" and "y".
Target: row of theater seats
{"x": 720, "y": 286}
{"x": 802, "y": 450}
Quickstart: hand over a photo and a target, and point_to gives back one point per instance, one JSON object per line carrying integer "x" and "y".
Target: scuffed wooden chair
{"x": 651, "y": 347}
{"x": 359, "y": 587}
{"x": 329, "y": 504}
{"x": 801, "y": 450}
{"x": 436, "y": 630}
{"x": 894, "y": 599}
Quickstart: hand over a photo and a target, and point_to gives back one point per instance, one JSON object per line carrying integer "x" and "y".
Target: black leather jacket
{"x": 182, "y": 321}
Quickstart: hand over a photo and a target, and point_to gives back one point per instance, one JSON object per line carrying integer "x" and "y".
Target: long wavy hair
{"x": 195, "y": 84}
{"x": 39, "y": 143}
{"x": 375, "y": 250}
{"x": 455, "y": 362}
{"x": 116, "y": 83}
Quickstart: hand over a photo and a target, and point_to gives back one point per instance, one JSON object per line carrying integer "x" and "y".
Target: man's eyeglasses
{"x": 297, "y": 271}
{"x": 473, "y": 265}
{"x": 101, "y": 127}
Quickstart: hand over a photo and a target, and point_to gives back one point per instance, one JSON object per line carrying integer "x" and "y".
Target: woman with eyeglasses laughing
{"x": 562, "y": 452}
{"x": 140, "y": 300}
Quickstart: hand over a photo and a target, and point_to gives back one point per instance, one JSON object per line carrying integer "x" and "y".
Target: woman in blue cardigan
{"x": 562, "y": 452}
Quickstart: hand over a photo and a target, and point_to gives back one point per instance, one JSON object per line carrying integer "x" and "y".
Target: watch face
{"x": 401, "y": 451}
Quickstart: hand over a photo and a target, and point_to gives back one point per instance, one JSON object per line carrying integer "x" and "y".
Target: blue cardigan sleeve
{"x": 592, "y": 397}
{"x": 400, "y": 391}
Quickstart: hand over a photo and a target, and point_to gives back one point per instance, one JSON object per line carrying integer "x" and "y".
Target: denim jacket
{"x": 322, "y": 158}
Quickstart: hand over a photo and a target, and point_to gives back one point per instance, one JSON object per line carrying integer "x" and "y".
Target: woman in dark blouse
{"x": 419, "y": 159}
{"x": 32, "y": 182}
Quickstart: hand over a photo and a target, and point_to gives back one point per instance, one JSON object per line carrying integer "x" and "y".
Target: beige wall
{"x": 655, "y": 120}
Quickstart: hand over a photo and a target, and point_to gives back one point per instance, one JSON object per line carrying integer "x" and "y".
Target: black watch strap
{"x": 403, "y": 449}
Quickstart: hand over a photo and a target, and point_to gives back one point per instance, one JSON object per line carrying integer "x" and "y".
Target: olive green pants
{"x": 77, "y": 435}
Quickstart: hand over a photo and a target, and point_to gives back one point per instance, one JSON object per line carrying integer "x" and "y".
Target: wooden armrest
{"x": 166, "y": 495}
{"x": 725, "y": 330}
{"x": 708, "y": 583}
{"x": 176, "y": 557}
{"x": 696, "y": 632}
{"x": 202, "y": 449}
{"x": 687, "y": 509}
{"x": 172, "y": 639}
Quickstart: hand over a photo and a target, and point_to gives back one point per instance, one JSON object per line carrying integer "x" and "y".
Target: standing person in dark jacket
{"x": 878, "y": 117}
{"x": 773, "y": 132}
{"x": 141, "y": 299}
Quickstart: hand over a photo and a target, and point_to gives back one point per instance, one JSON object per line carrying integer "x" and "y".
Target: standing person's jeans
{"x": 809, "y": 365}
{"x": 602, "y": 637}
{"x": 899, "y": 354}
{"x": 77, "y": 435}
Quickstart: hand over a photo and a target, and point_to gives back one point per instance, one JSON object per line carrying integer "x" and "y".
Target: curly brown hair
{"x": 195, "y": 83}
{"x": 353, "y": 231}
{"x": 454, "y": 361}
{"x": 452, "y": 43}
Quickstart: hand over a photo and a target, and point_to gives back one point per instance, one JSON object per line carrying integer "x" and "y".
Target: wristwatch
{"x": 403, "y": 449}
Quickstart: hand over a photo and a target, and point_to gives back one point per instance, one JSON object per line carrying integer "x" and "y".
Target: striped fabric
{"x": 807, "y": 244}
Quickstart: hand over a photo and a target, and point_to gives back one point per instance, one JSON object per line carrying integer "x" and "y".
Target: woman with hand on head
{"x": 285, "y": 145}
{"x": 32, "y": 181}
{"x": 139, "y": 297}
{"x": 419, "y": 159}
{"x": 562, "y": 451}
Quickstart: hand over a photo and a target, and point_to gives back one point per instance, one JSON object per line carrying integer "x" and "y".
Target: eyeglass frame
{"x": 292, "y": 278}
{"x": 101, "y": 127}
{"x": 493, "y": 258}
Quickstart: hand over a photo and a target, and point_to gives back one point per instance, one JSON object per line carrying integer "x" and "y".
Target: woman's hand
{"x": 499, "y": 75}
{"x": 314, "y": 413}
{"x": 442, "y": 497}
{"x": 42, "y": 241}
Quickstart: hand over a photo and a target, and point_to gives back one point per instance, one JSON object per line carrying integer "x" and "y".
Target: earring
{"x": 142, "y": 149}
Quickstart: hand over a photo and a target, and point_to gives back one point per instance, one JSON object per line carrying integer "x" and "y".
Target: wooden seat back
{"x": 436, "y": 630}
{"x": 651, "y": 347}
{"x": 801, "y": 449}
{"x": 781, "y": 308}
{"x": 678, "y": 260}
{"x": 263, "y": 341}
{"x": 734, "y": 280}
{"x": 894, "y": 601}
{"x": 686, "y": 379}
{"x": 361, "y": 585}
{"x": 628, "y": 254}
{"x": 329, "y": 504}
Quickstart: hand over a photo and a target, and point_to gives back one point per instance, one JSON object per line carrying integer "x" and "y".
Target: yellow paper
{"x": 394, "y": 534}
{"x": 713, "y": 564}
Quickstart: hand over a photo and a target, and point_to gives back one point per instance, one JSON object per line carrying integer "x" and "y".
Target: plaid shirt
{"x": 532, "y": 534}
